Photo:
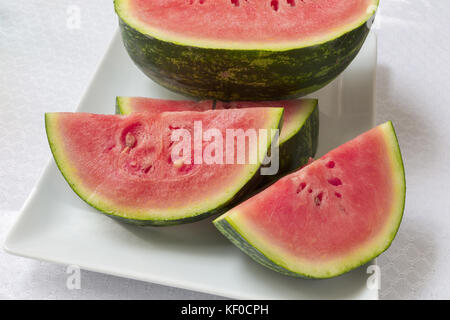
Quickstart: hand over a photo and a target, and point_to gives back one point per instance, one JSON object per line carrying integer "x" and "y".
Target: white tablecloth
{"x": 46, "y": 62}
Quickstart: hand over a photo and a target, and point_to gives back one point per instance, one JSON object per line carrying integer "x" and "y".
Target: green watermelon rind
{"x": 301, "y": 145}
{"x": 249, "y": 183}
{"x": 121, "y": 106}
{"x": 241, "y": 74}
{"x": 232, "y": 231}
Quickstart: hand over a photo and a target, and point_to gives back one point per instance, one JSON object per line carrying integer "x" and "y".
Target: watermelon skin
{"x": 297, "y": 142}
{"x": 296, "y": 151}
{"x": 232, "y": 74}
{"x": 236, "y": 232}
{"x": 296, "y": 146}
{"x": 69, "y": 171}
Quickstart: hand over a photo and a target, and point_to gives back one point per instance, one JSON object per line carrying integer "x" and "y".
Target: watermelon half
{"x": 298, "y": 137}
{"x": 122, "y": 165}
{"x": 334, "y": 215}
{"x": 244, "y": 49}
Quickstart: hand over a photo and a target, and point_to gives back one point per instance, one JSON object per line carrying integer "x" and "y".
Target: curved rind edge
{"x": 238, "y": 238}
{"x": 307, "y": 103}
{"x": 398, "y": 159}
{"x": 227, "y": 229}
{"x": 252, "y": 180}
{"x": 298, "y": 148}
{"x": 370, "y": 13}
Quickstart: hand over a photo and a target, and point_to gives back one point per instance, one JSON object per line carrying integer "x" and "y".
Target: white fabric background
{"x": 45, "y": 66}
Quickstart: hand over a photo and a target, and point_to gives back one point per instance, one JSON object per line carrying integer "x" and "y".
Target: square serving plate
{"x": 57, "y": 226}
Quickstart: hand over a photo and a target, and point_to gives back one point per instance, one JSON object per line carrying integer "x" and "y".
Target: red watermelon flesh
{"x": 122, "y": 165}
{"x": 331, "y": 216}
{"x": 129, "y": 105}
{"x": 295, "y": 111}
{"x": 246, "y": 21}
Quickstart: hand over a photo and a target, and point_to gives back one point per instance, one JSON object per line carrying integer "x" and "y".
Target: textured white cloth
{"x": 46, "y": 63}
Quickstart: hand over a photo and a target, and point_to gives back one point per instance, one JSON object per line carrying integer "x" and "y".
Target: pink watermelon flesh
{"x": 128, "y": 105}
{"x": 335, "y": 214}
{"x": 245, "y": 21}
{"x": 122, "y": 165}
{"x": 293, "y": 109}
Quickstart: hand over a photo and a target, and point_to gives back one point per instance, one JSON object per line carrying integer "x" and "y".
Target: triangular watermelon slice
{"x": 122, "y": 165}
{"x": 330, "y": 217}
{"x": 299, "y": 130}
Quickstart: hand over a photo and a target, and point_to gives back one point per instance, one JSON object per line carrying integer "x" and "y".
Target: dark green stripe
{"x": 227, "y": 74}
{"x": 235, "y": 237}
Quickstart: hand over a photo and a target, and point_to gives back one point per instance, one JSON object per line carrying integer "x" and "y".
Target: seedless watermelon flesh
{"x": 122, "y": 165}
{"x": 295, "y": 111}
{"x": 246, "y": 24}
{"x": 299, "y": 129}
{"x": 330, "y": 217}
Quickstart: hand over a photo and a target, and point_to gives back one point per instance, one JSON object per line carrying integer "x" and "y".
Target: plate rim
{"x": 8, "y": 243}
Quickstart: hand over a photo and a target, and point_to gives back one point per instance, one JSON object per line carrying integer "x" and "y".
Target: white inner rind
{"x": 298, "y": 119}
{"x": 96, "y": 200}
{"x": 356, "y": 257}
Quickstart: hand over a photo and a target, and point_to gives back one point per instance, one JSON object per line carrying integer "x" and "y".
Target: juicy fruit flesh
{"x": 139, "y": 104}
{"x": 125, "y": 160}
{"x": 292, "y": 108}
{"x": 247, "y": 20}
{"x": 342, "y": 209}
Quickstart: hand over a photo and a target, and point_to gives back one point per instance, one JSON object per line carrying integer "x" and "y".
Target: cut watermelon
{"x": 330, "y": 217}
{"x": 244, "y": 49}
{"x": 122, "y": 165}
{"x": 298, "y": 137}
{"x": 299, "y": 134}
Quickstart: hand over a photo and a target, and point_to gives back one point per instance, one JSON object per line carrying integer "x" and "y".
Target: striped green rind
{"x": 297, "y": 149}
{"x": 231, "y": 229}
{"x": 55, "y": 141}
{"x": 122, "y": 106}
{"x": 241, "y": 74}
{"x": 300, "y": 145}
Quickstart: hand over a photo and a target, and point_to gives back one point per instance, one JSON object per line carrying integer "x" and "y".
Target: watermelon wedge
{"x": 334, "y": 215}
{"x": 244, "y": 49}
{"x": 123, "y": 165}
{"x": 298, "y": 137}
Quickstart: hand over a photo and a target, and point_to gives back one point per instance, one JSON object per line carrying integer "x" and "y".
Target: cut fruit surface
{"x": 299, "y": 129}
{"x": 128, "y": 105}
{"x": 122, "y": 165}
{"x": 329, "y": 217}
{"x": 244, "y": 50}
{"x": 245, "y": 24}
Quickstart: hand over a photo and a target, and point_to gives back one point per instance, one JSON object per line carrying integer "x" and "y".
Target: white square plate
{"x": 55, "y": 225}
